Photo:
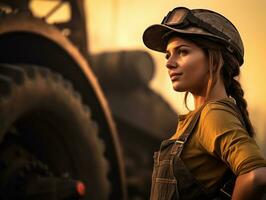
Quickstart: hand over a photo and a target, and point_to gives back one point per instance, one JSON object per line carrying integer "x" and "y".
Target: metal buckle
{"x": 225, "y": 193}
{"x": 179, "y": 141}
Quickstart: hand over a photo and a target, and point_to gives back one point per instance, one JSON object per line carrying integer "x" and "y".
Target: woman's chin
{"x": 177, "y": 88}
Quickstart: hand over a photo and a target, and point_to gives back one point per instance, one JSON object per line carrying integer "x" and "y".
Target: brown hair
{"x": 220, "y": 60}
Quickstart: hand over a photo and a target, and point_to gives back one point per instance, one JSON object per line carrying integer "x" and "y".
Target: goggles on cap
{"x": 182, "y": 17}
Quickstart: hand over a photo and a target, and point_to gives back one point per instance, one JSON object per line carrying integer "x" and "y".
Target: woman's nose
{"x": 171, "y": 64}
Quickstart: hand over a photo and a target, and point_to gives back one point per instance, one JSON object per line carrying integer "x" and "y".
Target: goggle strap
{"x": 198, "y": 22}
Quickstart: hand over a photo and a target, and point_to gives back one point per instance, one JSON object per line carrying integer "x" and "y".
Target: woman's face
{"x": 187, "y": 66}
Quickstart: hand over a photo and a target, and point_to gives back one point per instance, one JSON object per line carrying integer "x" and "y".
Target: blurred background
{"x": 136, "y": 83}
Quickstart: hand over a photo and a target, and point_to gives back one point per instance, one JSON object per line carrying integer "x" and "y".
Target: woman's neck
{"x": 217, "y": 92}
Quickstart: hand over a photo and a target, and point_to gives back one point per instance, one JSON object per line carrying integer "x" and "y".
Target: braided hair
{"x": 223, "y": 63}
{"x": 229, "y": 72}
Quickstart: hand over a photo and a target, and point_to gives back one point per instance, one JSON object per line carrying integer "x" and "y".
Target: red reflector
{"x": 81, "y": 189}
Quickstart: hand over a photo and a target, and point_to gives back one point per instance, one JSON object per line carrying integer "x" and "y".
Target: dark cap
{"x": 199, "y": 23}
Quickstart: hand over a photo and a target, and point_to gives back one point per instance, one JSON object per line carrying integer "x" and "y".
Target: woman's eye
{"x": 182, "y": 52}
{"x": 167, "y": 56}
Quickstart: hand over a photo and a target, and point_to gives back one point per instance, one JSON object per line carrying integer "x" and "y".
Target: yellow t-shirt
{"x": 219, "y": 141}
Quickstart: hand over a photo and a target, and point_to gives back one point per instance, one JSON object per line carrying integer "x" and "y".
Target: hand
{"x": 251, "y": 185}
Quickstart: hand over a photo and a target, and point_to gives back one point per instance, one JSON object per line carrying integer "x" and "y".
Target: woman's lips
{"x": 175, "y": 75}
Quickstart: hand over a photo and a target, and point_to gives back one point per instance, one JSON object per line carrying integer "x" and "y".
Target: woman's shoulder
{"x": 221, "y": 107}
{"x": 219, "y": 119}
{"x": 221, "y": 115}
{"x": 227, "y": 103}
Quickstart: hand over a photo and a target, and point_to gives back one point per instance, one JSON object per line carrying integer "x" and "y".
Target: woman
{"x": 212, "y": 155}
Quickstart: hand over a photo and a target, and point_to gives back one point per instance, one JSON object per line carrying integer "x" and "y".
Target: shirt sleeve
{"x": 222, "y": 135}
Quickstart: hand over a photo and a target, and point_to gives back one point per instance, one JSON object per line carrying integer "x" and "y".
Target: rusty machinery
{"x": 58, "y": 138}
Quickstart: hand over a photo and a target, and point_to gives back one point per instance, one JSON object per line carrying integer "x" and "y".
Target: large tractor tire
{"x": 47, "y": 138}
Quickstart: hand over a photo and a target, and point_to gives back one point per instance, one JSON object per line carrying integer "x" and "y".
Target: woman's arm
{"x": 251, "y": 185}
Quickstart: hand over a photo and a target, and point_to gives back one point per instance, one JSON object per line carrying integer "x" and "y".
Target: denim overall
{"x": 169, "y": 183}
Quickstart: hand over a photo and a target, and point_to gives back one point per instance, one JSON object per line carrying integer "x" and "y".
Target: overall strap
{"x": 189, "y": 182}
{"x": 182, "y": 139}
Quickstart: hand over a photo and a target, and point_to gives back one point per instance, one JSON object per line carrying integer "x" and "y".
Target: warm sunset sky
{"x": 119, "y": 24}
